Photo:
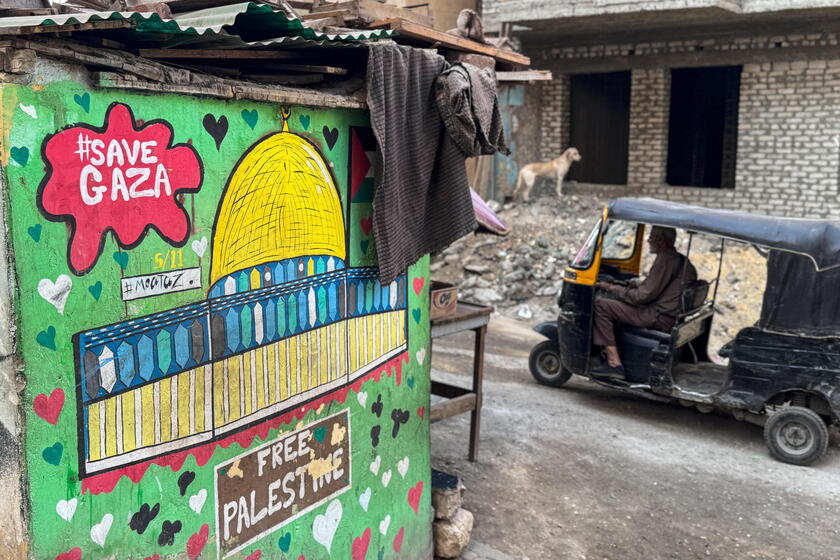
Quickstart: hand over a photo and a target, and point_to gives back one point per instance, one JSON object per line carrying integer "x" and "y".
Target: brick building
{"x": 728, "y": 103}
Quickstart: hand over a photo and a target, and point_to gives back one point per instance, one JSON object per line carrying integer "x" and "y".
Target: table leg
{"x": 478, "y": 379}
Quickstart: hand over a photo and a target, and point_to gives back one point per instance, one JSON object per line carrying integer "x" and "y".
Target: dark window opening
{"x": 600, "y": 127}
{"x": 703, "y": 127}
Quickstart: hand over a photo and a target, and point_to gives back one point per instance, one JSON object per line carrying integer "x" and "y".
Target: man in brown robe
{"x": 654, "y": 303}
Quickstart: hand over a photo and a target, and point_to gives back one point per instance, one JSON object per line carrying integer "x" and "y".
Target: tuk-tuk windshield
{"x": 586, "y": 255}
{"x": 619, "y": 240}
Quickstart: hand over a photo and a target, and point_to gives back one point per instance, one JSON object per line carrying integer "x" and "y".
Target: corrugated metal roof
{"x": 255, "y": 24}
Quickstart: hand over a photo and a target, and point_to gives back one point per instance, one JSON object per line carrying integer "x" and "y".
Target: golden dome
{"x": 280, "y": 203}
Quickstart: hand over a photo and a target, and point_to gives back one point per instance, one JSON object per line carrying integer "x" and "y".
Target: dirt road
{"x": 584, "y": 472}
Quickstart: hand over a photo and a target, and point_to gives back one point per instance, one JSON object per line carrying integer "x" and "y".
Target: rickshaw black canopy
{"x": 803, "y": 268}
{"x": 817, "y": 239}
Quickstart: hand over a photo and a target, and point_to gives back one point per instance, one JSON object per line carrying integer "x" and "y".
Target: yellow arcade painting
{"x": 285, "y": 320}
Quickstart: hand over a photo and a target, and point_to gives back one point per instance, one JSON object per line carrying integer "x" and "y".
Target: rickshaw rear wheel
{"x": 546, "y": 366}
{"x": 796, "y": 435}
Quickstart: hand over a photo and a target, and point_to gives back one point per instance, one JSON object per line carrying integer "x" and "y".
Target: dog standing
{"x": 557, "y": 167}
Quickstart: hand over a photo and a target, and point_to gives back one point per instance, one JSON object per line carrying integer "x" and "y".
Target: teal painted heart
{"x": 410, "y": 382}
{"x": 417, "y": 314}
{"x": 20, "y": 154}
{"x": 47, "y": 338}
{"x": 96, "y": 290}
{"x": 365, "y": 245}
{"x": 83, "y": 101}
{"x": 285, "y": 542}
{"x": 320, "y": 433}
{"x": 121, "y": 259}
{"x": 304, "y": 121}
{"x": 250, "y": 117}
{"x": 35, "y": 232}
{"x": 53, "y": 453}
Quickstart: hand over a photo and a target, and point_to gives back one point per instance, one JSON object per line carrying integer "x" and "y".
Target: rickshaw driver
{"x": 653, "y": 303}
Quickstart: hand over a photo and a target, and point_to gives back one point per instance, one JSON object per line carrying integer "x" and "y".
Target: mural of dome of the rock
{"x": 285, "y": 320}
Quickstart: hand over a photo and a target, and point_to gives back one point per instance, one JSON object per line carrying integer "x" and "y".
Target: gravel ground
{"x": 584, "y": 472}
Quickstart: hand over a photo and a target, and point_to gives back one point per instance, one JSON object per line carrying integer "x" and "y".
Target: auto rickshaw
{"x": 783, "y": 372}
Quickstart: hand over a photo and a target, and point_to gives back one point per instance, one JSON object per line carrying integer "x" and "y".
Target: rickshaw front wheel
{"x": 796, "y": 435}
{"x": 545, "y": 365}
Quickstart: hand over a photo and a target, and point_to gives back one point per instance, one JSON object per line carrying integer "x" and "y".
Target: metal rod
{"x": 720, "y": 267}
{"x": 684, "y": 268}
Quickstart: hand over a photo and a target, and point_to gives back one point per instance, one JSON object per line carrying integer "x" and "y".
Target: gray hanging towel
{"x": 422, "y": 201}
{"x": 468, "y": 103}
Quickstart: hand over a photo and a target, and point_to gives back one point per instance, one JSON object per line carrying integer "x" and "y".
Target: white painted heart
{"x": 199, "y": 246}
{"x": 66, "y": 508}
{"x": 364, "y": 499}
{"x": 197, "y": 500}
{"x": 99, "y": 532}
{"x": 402, "y": 466}
{"x": 56, "y": 292}
{"x": 362, "y": 398}
{"x": 374, "y": 467}
{"x": 324, "y": 526}
{"x": 383, "y": 525}
{"x": 386, "y": 478}
{"x": 421, "y": 356}
{"x": 29, "y": 110}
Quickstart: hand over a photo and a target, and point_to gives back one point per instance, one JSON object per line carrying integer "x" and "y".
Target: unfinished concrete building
{"x": 729, "y": 103}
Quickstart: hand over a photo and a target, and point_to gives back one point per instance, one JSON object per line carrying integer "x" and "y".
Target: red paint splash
{"x": 106, "y": 482}
{"x": 119, "y": 178}
{"x": 398, "y": 540}
{"x": 72, "y": 554}
{"x": 197, "y": 542}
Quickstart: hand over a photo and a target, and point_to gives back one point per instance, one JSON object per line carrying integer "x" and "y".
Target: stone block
{"x": 453, "y": 535}
{"x": 447, "y": 494}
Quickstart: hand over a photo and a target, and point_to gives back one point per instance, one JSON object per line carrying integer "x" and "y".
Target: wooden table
{"x": 467, "y": 317}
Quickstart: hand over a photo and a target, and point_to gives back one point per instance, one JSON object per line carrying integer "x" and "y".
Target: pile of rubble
{"x": 521, "y": 274}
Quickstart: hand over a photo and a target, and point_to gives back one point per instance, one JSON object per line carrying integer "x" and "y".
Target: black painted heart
{"x": 185, "y": 480}
{"x": 331, "y": 136}
{"x": 168, "y": 531}
{"x": 374, "y": 435}
{"x": 141, "y": 519}
{"x": 217, "y": 128}
{"x": 376, "y": 407}
{"x": 400, "y": 417}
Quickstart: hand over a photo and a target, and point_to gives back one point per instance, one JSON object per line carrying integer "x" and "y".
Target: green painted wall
{"x": 104, "y": 479}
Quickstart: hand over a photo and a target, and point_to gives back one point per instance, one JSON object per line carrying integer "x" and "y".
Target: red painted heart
{"x": 399, "y": 539}
{"x": 254, "y": 555}
{"x": 360, "y": 545}
{"x": 421, "y": 411}
{"x": 73, "y": 554}
{"x": 418, "y": 285}
{"x": 153, "y": 557}
{"x": 367, "y": 224}
{"x": 414, "y": 496}
{"x": 195, "y": 544}
{"x": 49, "y": 408}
